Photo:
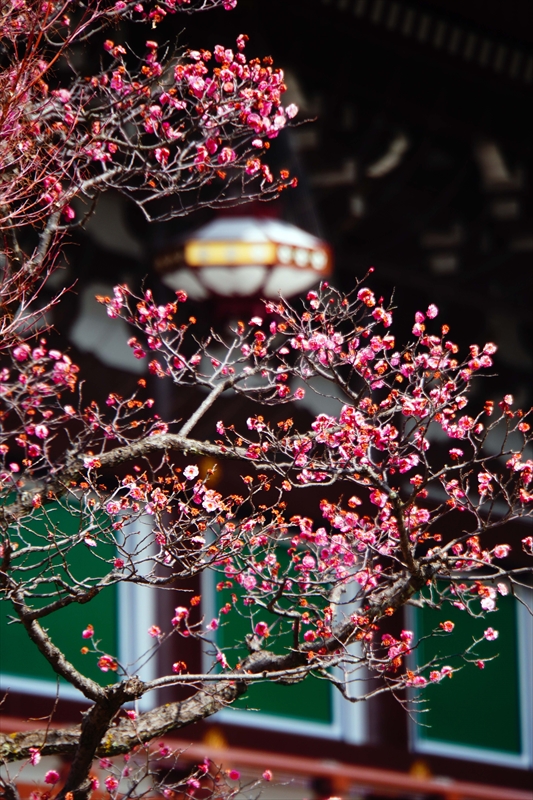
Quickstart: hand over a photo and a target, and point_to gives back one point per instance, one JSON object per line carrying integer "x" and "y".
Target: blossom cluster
{"x": 417, "y": 464}
{"x": 128, "y": 126}
{"x": 379, "y": 444}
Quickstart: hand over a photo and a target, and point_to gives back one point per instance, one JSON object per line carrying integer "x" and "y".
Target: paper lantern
{"x": 245, "y": 257}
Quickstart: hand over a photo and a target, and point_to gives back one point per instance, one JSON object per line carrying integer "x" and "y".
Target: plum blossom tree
{"x": 407, "y": 453}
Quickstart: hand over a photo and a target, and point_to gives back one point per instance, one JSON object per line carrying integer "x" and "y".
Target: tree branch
{"x": 127, "y": 733}
{"x": 54, "y": 656}
{"x": 96, "y": 722}
{"x": 168, "y": 441}
{"x": 203, "y": 407}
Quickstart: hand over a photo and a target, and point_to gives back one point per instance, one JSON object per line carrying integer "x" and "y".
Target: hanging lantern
{"x": 245, "y": 257}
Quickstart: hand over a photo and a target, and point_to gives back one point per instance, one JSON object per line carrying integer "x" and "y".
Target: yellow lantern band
{"x": 229, "y": 253}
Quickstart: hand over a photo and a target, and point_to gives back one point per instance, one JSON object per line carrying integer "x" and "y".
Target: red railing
{"x": 366, "y": 779}
{"x": 385, "y": 781}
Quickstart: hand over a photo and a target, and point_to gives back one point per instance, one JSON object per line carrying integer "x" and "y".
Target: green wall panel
{"x": 475, "y": 708}
{"x": 18, "y": 655}
{"x": 309, "y": 701}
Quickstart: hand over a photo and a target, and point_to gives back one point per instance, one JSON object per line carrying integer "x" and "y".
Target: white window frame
{"x": 524, "y": 627}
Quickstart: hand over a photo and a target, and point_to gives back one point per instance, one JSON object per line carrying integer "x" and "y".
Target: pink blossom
{"x": 154, "y": 631}
{"x": 180, "y": 613}
{"x": 35, "y": 755}
{"x": 88, "y": 632}
{"x": 501, "y": 551}
{"x": 213, "y": 625}
{"x": 291, "y": 110}
{"x": 211, "y": 500}
{"x": 408, "y": 463}
{"x": 63, "y": 95}
{"x": 418, "y": 680}
{"x": 488, "y": 604}
{"x": 490, "y": 634}
{"x": 308, "y": 562}
{"x": 367, "y": 297}
{"x": 267, "y": 175}
{"x": 191, "y": 472}
{"x": 447, "y": 626}
{"x": 278, "y": 122}
{"x": 211, "y": 145}
{"x": 222, "y": 660}
{"x": 247, "y": 581}
{"x": 155, "y": 112}
{"x": 267, "y": 775}
{"x": 162, "y": 155}
{"x": 484, "y": 480}
{"x": 51, "y": 777}
{"x": 204, "y": 766}
{"x": 378, "y": 498}
{"x": 432, "y": 311}
{"x": 226, "y": 156}
{"x": 261, "y": 629}
{"x": 41, "y": 431}
{"x": 111, "y": 783}
{"x": 234, "y": 775}
{"x": 385, "y": 317}
{"x": 22, "y": 352}
{"x": 107, "y": 663}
